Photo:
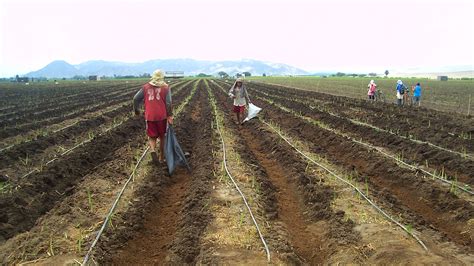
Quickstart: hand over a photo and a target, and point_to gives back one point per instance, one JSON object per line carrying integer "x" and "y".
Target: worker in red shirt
{"x": 156, "y": 97}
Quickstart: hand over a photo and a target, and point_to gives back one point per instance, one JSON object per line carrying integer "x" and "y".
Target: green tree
{"x": 222, "y": 74}
{"x": 247, "y": 74}
{"x": 386, "y": 73}
{"x": 202, "y": 75}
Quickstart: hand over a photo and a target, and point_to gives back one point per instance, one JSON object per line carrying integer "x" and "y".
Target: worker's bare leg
{"x": 152, "y": 142}
{"x": 238, "y": 117}
{"x": 162, "y": 148}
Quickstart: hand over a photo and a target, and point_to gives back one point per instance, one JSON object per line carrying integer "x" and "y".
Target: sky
{"x": 336, "y": 35}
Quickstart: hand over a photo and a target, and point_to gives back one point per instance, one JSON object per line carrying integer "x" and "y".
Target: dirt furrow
{"x": 32, "y": 197}
{"x": 313, "y": 229}
{"x": 174, "y": 214}
{"x": 420, "y": 154}
{"x": 444, "y": 129}
{"x": 419, "y": 202}
{"x": 40, "y": 192}
{"x": 24, "y": 128}
{"x": 34, "y": 150}
{"x": 20, "y": 98}
{"x": 44, "y": 113}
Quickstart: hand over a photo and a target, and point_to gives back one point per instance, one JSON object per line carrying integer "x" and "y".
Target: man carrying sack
{"x": 156, "y": 97}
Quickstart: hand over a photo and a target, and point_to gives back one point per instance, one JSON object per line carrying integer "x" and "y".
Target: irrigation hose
{"x": 354, "y": 121}
{"x": 240, "y": 192}
{"x": 407, "y": 138}
{"x": 68, "y": 151}
{"x": 354, "y": 187}
{"x": 107, "y": 218}
{"x": 415, "y": 167}
{"x": 410, "y": 166}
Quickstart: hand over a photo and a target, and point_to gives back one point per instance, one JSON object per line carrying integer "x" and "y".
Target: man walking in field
{"x": 400, "y": 92}
{"x": 238, "y": 92}
{"x": 417, "y": 94}
{"x": 156, "y": 97}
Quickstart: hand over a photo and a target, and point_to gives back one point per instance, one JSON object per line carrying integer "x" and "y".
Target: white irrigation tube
{"x": 7, "y": 148}
{"x": 354, "y": 187}
{"x": 55, "y": 131}
{"x": 357, "y": 122}
{"x": 412, "y": 167}
{"x": 68, "y": 151}
{"x": 240, "y": 192}
{"x": 61, "y": 129}
{"x": 107, "y": 218}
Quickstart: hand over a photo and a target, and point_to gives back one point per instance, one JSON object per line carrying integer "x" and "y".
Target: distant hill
{"x": 58, "y": 68}
{"x": 62, "y": 69}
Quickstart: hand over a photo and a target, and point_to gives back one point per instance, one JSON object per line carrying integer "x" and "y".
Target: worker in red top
{"x": 156, "y": 96}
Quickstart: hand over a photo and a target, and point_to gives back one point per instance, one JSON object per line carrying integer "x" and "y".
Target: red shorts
{"x": 239, "y": 109}
{"x": 156, "y": 129}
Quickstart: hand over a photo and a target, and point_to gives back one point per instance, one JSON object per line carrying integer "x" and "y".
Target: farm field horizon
{"x": 450, "y": 96}
{"x": 327, "y": 176}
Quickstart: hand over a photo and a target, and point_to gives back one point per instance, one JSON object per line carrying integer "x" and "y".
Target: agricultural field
{"x": 450, "y": 96}
{"x": 316, "y": 178}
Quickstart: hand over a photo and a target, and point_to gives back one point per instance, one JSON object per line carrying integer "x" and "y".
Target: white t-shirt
{"x": 239, "y": 99}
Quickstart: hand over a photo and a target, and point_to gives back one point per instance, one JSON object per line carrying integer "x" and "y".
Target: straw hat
{"x": 158, "y": 79}
{"x": 238, "y": 80}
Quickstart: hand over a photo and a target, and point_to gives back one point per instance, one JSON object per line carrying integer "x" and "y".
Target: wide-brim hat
{"x": 158, "y": 78}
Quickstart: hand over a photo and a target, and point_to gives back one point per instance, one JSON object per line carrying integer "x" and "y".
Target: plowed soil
{"x": 307, "y": 217}
{"x": 174, "y": 220}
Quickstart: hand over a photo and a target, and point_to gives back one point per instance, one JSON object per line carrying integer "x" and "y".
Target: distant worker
{"x": 372, "y": 88}
{"x": 407, "y": 100}
{"x": 417, "y": 94}
{"x": 400, "y": 92}
{"x": 156, "y": 96}
{"x": 238, "y": 92}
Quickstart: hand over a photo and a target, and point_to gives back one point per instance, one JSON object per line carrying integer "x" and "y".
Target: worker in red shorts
{"x": 156, "y": 96}
{"x": 238, "y": 92}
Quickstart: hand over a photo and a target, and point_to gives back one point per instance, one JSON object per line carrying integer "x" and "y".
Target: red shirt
{"x": 155, "y": 102}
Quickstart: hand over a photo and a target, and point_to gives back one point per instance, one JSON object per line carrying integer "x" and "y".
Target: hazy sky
{"x": 343, "y": 35}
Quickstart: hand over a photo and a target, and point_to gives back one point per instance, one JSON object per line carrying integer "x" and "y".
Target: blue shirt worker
{"x": 417, "y": 94}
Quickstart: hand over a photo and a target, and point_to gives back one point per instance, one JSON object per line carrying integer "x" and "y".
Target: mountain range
{"x": 190, "y": 67}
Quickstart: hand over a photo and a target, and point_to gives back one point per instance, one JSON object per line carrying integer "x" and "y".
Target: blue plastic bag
{"x": 173, "y": 152}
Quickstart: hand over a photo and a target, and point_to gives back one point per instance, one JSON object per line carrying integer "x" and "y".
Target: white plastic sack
{"x": 253, "y": 111}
